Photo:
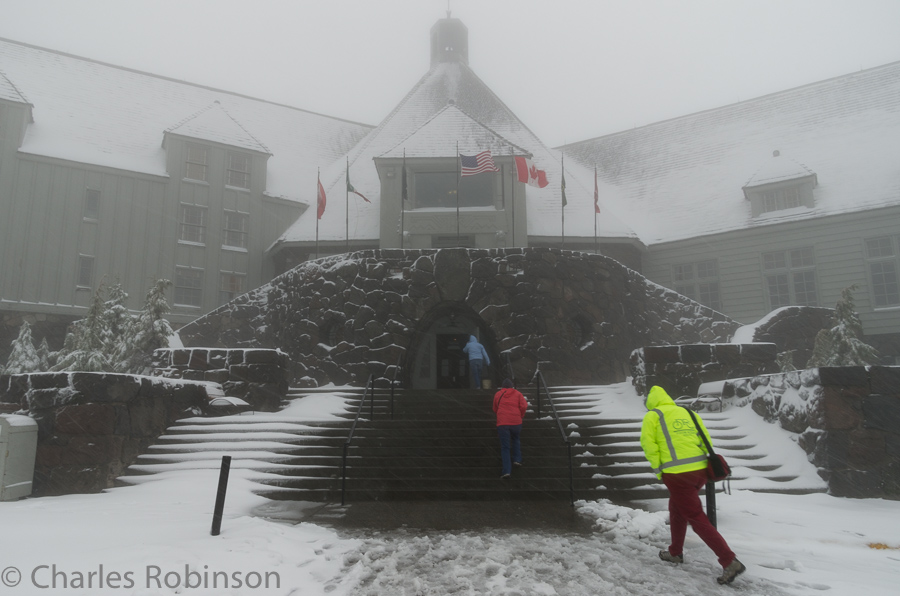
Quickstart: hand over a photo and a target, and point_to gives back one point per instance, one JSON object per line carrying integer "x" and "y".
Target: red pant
{"x": 685, "y": 508}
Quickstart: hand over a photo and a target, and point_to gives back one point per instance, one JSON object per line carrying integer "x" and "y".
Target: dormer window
{"x": 780, "y": 185}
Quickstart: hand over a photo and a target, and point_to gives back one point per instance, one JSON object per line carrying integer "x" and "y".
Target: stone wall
{"x": 847, "y": 418}
{"x": 91, "y": 426}
{"x": 576, "y": 316}
{"x": 259, "y": 377}
{"x": 680, "y": 370}
{"x": 794, "y": 329}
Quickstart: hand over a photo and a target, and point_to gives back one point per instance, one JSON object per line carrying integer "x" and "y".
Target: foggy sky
{"x": 570, "y": 69}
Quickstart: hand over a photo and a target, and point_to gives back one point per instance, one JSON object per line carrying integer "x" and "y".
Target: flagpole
{"x": 596, "y": 246}
{"x": 458, "y": 173}
{"x": 403, "y": 197}
{"x": 347, "y": 204}
{"x": 563, "y": 208}
{"x": 317, "y": 212}
{"x": 515, "y": 179}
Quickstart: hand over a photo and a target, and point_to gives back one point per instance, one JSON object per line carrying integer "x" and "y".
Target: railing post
{"x": 220, "y": 495}
{"x": 371, "y": 384}
{"x": 711, "y": 503}
{"x": 344, "y": 473}
{"x": 571, "y": 476}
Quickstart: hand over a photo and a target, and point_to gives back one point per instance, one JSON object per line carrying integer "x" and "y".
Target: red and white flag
{"x": 469, "y": 165}
{"x": 596, "y": 194}
{"x": 320, "y": 200}
{"x": 529, "y": 174}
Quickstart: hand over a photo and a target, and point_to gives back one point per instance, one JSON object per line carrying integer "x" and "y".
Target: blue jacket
{"x": 476, "y": 351}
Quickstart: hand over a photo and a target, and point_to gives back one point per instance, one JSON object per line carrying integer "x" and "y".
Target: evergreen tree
{"x": 45, "y": 355}
{"x": 119, "y": 323}
{"x": 840, "y": 344}
{"x": 23, "y": 358}
{"x": 785, "y": 361}
{"x": 89, "y": 338}
{"x": 150, "y": 329}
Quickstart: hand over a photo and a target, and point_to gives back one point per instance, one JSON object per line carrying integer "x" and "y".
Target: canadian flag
{"x": 529, "y": 174}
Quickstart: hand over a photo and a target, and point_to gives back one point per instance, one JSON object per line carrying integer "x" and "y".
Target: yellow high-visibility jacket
{"x": 669, "y": 438}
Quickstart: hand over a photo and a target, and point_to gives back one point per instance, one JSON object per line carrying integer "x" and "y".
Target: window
{"x": 192, "y": 227}
{"x": 85, "y": 276}
{"x": 790, "y": 277}
{"x": 235, "y": 229}
{"x": 781, "y": 198}
{"x": 196, "y": 162}
{"x": 882, "y": 260}
{"x": 91, "y": 208}
{"x": 188, "y": 286}
{"x": 231, "y": 286}
{"x": 238, "y": 173}
{"x": 698, "y": 281}
{"x": 438, "y": 189}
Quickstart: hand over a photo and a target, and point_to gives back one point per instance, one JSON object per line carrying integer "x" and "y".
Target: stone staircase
{"x": 442, "y": 445}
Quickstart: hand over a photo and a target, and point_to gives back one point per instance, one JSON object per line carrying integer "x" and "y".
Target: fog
{"x": 571, "y": 70}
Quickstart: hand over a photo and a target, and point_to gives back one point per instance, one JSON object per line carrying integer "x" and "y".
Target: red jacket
{"x": 510, "y": 406}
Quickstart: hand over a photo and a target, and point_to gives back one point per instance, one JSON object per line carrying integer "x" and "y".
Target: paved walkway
{"x": 552, "y": 516}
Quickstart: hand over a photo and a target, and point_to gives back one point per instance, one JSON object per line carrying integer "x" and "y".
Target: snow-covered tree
{"x": 85, "y": 344}
{"x": 149, "y": 330}
{"x": 24, "y": 357}
{"x": 785, "y": 361}
{"x": 840, "y": 345}
{"x": 45, "y": 355}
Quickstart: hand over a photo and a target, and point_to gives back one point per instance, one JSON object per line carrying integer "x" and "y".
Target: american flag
{"x": 476, "y": 164}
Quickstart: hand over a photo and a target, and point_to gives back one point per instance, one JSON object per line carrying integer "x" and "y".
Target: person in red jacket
{"x": 510, "y": 406}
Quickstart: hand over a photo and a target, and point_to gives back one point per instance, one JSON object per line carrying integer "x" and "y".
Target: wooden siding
{"x": 838, "y": 244}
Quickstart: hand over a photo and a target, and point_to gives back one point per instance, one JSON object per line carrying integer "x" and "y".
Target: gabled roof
{"x": 778, "y": 169}
{"x": 214, "y": 123}
{"x": 9, "y": 92}
{"x": 477, "y": 118}
{"x": 683, "y": 178}
{"x": 89, "y": 112}
{"x": 440, "y": 137}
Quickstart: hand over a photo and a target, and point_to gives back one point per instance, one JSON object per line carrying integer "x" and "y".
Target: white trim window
{"x": 790, "y": 277}
{"x": 779, "y": 199}
{"x": 238, "y": 172}
{"x": 881, "y": 258}
{"x": 196, "y": 162}
{"x": 235, "y": 229}
{"x": 188, "y": 286}
{"x": 699, "y": 281}
{"x": 231, "y": 285}
{"x": 85, "y": 275}
{"x": 91, "y": 208}
{"x": 192, "y": 224}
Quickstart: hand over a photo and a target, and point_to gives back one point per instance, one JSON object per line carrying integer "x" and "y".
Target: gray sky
{"x": 570, "y": 69}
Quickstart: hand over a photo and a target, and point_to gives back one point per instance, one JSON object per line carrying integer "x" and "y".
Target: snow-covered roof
{"x": 683, "y": 178}
{"x": 778, "y": 169}
{"x": 8, "y": 91}
{"x": 451, "y": 105}
{"x": 95, "y": 113}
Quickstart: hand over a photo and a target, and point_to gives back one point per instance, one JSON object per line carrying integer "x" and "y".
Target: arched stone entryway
{"x": 434, "y": 357}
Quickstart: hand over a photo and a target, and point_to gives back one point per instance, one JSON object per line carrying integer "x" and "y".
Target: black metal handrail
{"x": 370, "y": 386}
{"x": 394, "y": 384}
{"x": 510, "y": 373}
{"x": 540, "y": 382}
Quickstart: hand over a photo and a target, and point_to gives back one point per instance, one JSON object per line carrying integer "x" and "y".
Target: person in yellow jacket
{"x": 675, "y": 450}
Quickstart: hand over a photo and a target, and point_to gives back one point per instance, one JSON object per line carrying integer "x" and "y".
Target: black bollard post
{"x": 711, "y": 503}
{"x": 220, "y": 495}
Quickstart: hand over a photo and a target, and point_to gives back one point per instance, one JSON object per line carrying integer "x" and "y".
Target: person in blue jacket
{"x": 478, "y": 358}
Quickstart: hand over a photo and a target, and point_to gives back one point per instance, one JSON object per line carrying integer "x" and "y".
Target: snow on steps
{"x": 301, "y": 459}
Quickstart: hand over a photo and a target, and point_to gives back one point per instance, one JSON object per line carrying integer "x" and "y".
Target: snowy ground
{"x": 154, "y": 538}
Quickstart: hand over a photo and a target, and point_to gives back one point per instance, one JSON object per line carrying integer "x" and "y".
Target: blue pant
{"x": 475, "y": 371}
{"x": 509, "y": 440}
